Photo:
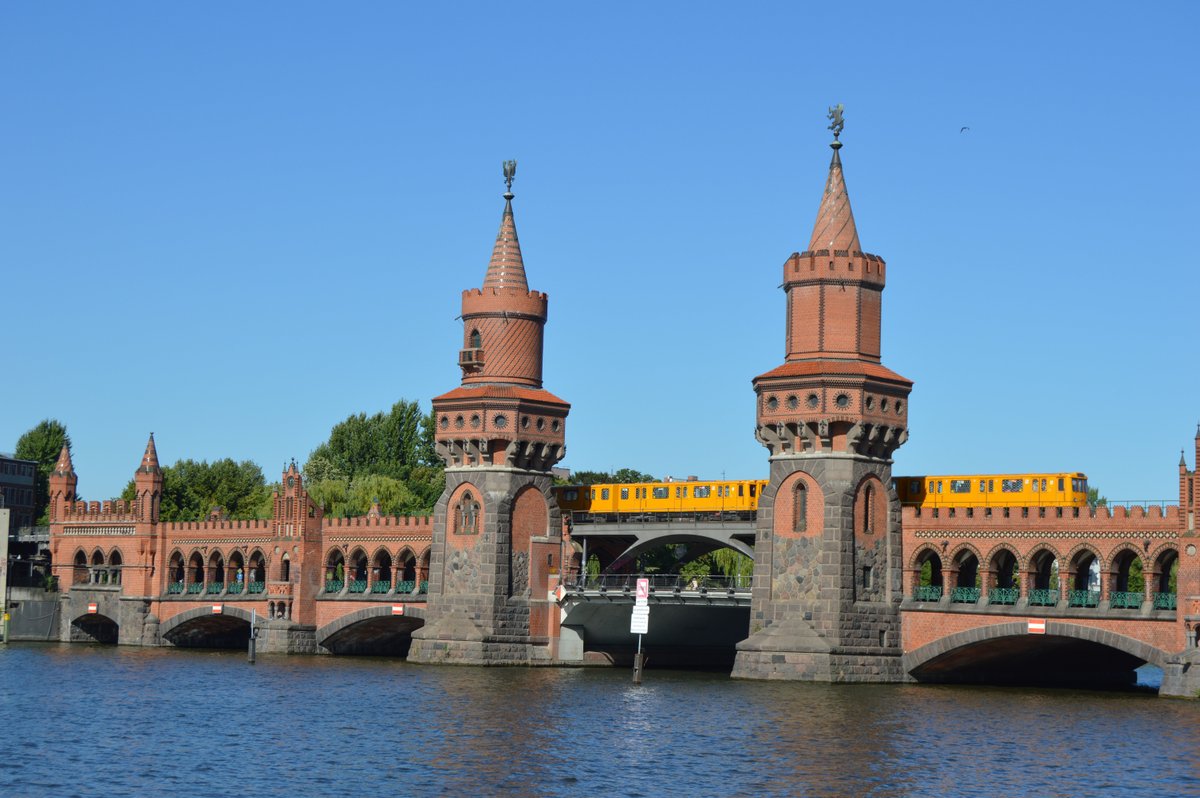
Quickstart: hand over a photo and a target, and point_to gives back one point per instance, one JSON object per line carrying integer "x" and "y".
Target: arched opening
{"x": 1084, "y": 580}
{"x": 869, "y": 509}
{"x": 423, "y": 572}
{"x": 79, "y": 569}
{"x": 381, "y": 572}
{"x": 195, "y": 573}
{"x": 800, "y": 507}
{"x": 966, "y": 583}
{"x": 476, "y": 340}
{"x": 237, "y": 573}
{"x": 224, "y": 631}
{"x": 375, "y": 633}
{"x": 216, "y": 572}
{"x": 929, "y": 577}
{"x": 94, "y": 628}
{"x": 1165, "y": 578}
{"x": 358, "y": 571}
{"x": 1003, "y": 578}
{"x": 285, "y": 568}
{"x": 466, "y": 515}
{"x": 256, "y": 573}
{"x": 406, "y": 572}
{"x": 98, "y": 575}
{"x": 1127, "y": 582}
{"x": 176, "y": 573}
{"x": 1043, "y": 579}
{"x": 335, "y": 571}
{"x": 114, "y": 567}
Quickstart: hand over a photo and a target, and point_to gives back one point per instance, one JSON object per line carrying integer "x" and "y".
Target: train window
{"x": 1012, "y": 485}
{"x": 930, "y": 487}
{"x": 571, "y": 494}
{"x": 991, "y": 485}
{"x": 1043, "y": 485}
{"x": 982, "y": 485}
{"x": 960, "y": 486}
{"x": 914, "y": 486}
{"x": 624, "y": 493}
{"x": 604, "y": 494}
{"x": 1061, "y": 482}
{"x": 741, "y": 490}
{"x": 593, "y": 494}
{"x": 679, "y": 492}
{"x": 1035, "y": 487}
{"x": 753, "y": 489}
{"x": 662, "y": 493}
{"x": 939, "y": 486}
{"x": 701, "y": 492}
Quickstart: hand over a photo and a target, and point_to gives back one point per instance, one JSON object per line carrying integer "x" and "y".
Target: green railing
{"x": 1126, "y": 599}
{"x": 406, "y": 586}
{"x": 1004, "y": 595}
{"x": 215, "y": 587}
{"x": 256, "y": 587}
{"x": 234, "y": 587}
{"x": 1083, "y": 598}
{"x": 424, "y": 586}
{"x": 928, "y": 593}
{"x": 175, "y": 587}
{"x": 334, "y": 585}
{"x": 965, "y": 595}
{"x": 1043, "y": 597}
{"x": 358, "y": 586}
{"x": 1164, "y": 601}
{"x": 381, "y": 586}
{"x": 195, "y": 587}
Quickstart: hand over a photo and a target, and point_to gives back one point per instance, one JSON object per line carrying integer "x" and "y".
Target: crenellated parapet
{"x": 839, "y": 265}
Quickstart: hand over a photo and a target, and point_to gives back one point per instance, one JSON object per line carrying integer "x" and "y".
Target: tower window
{"x": 800, "y": 508}
{"x": 476, "y": 340}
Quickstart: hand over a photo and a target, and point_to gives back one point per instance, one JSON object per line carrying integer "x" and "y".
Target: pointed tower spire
{"x": 64, "y": 466}
{"x": 835, "y": 228}
{"x": 506, "y": 269}
{"x": 150, "y": 458}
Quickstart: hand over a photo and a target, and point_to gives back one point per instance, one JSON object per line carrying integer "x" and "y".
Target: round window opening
{"x": 870, "y": 402}
{"x": 772, "y": 403}
{"x": 813, "y": 400}
{"x": 500, "y": 422}
{"x": 899, "y": 406}
{"x": 884, "y": 405}
{"x": 842, "y": 400}
{"x": 555, "y": 425}
{"x": 458, "y": 422}
{"x": 445, "y": 422}
{"x": 793, "y": 402}
{"x": 524, "y": 422}
{"x": 541, "y": 423}
{"x": 475, "y": 421}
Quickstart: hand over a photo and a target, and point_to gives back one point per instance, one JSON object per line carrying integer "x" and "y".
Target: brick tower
{"x": 496, "y": 528}
{"x": 827, "y": 573}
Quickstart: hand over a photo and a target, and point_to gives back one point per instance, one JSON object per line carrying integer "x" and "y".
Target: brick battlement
{"x": 97, "y": 511}
{"x": 411, "y": 523}
{"x": 255, "y": 525}
{"x": 1042, "y": 517}
{"x": 839, "y": 264}
{"x": 505, "y": 300}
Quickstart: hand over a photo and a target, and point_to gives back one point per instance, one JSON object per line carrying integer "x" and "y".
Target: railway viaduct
{"x": 848, "y": 586}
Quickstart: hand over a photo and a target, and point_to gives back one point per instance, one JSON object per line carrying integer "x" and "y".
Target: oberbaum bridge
{"x": 493, "y": 578}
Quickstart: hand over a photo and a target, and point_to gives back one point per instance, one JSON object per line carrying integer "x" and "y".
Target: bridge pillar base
{"x": 792, "y": 650}
{"x": 455, "y": 639}
{"x": 1181, "y": 675}
{"x": 284, "y": 637}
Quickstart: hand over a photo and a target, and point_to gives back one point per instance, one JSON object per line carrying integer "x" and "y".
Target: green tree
{"x": 43, "y": 443}
{"x": 1095, "y": 499}
{"x": 192, "y": 489}
{"x": 621, "y": 476}
{"x": 387, "y": 456}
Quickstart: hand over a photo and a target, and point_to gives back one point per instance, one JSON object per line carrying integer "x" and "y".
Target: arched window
{"x": 466, "y": 515}
{"x": 476, "y": 340}
{"x": 800, "y": 508}
{"x": 869, "y": 509}
{"x": 285, "y": 568}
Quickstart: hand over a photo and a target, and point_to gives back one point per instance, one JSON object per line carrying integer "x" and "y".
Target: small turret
{"x": 148, "y": 481}
{"x": 62, "y": 485}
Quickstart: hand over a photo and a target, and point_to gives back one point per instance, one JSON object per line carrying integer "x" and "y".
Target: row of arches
{"x": 236, "y": 574}
{"x": 1083, "y": 578}
{"x": 98, "y": 569}
{"x": 355, "y": 572}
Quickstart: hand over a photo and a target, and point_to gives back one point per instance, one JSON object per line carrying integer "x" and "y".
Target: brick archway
{"x": 373, "y": 623}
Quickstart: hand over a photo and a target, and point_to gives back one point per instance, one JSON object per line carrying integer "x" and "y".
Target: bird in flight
{"x": 963, "y": 129}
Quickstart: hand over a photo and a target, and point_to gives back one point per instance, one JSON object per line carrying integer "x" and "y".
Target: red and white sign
{"x": 397, "y": 609}
{"x": 218, "y": 609}
{"x": 93, "y": 609}
{"x": 643, "y": 591}
{"x": 1037, "y": 626}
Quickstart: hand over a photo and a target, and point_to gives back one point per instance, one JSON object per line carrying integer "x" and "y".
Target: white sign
{"x": 639, "y": 621}
{"x": 1037, "y": 626}
{"x": 643, "y": 591}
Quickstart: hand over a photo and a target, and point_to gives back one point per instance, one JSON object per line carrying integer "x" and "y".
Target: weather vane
{"x": 835, "y": 116}
{"x": 510, "y": 171}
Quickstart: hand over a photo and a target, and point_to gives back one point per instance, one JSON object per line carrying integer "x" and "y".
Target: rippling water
{"x": 124, "y": 721}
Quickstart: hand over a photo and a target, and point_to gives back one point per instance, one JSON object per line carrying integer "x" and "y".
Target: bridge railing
{"x": 664, "y": 583}
{"x": 693, "y": 517}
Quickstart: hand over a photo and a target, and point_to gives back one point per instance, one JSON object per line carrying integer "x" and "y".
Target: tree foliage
{"x": 389, "y": 457}
{"x": 1095, "y": 499}
{"x": 622, "y": 476}
{"x": 191, "y": 490}
{"x": 43, "y": 443}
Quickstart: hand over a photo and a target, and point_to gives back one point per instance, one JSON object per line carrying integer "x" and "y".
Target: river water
{"x": 108, "y": 721}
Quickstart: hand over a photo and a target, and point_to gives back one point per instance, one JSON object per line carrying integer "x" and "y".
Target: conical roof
{"x": 506, "y": 269}
{"x": 64, "y": 466}
{"x": 835, "y": 228}
{"x": 150, "y": 458}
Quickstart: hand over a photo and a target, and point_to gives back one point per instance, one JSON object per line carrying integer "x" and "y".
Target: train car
{"x": 993, "y": 490}
{"x": 653, "y": 498}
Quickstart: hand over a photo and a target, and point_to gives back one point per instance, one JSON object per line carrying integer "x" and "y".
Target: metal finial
{"x": 835, "y": 116}
{"x": 510, "y": 171}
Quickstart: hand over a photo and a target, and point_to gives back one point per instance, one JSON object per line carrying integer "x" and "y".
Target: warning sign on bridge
{"x": 1037, "y": 626}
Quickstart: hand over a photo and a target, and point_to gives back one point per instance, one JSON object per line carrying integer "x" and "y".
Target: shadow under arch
{"x": 95, "y": 628}
{"x": 1067, "y": 655}
{"x": 372, "y": 631}
{"x": 200, "y": 628}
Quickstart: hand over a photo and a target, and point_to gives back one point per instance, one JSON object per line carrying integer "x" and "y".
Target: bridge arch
{"x": 1006, "y": 653}
{"x": 200, "y": 628}
{"x": 94, "y": 627}
{"x": 373, "y": 631}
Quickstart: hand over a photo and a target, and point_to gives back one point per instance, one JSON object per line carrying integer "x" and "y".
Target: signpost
{"x": 639, "y": 624}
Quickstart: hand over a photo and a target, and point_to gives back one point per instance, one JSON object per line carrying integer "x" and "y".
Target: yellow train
{"x": 648, "y": 498}
{"x": 993, "y": 490}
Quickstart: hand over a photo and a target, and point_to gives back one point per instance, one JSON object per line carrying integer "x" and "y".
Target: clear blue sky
{"x": 234, "y": 224}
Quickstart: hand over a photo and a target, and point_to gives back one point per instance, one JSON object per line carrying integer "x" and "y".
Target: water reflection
{"x": 117, "y": 721}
